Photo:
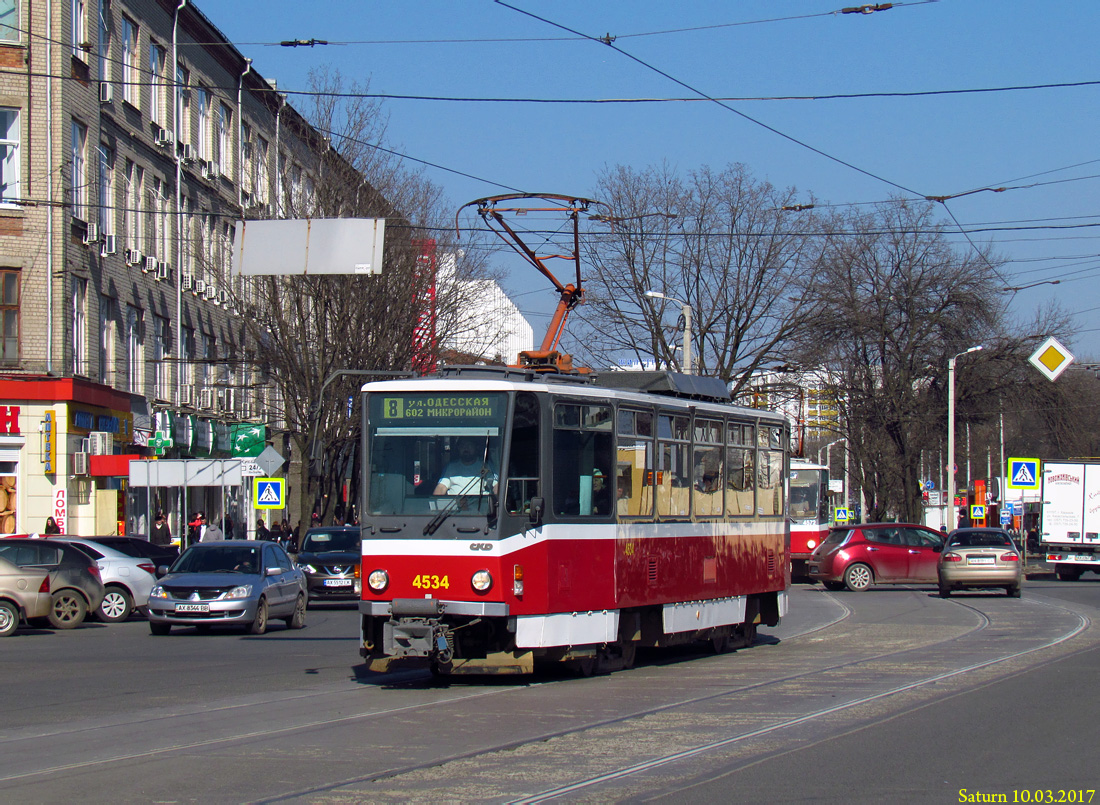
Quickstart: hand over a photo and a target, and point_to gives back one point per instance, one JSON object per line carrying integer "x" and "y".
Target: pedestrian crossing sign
{"x": 267, "y": 493}
{"x": 1023, "y": 473}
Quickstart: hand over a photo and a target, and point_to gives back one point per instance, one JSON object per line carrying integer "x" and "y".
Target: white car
{"x": 127, "y": 579}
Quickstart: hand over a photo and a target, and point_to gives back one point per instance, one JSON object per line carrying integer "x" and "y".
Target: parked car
{"x": 229, "y": 583}
{"x": 975, "y": 558}
{"x": 330, "y": 558}
{"x": 24, "y": 594}
{"x": 858, "y": 556}
{"x": 140, "y": 549}
{"x": 75, "y": 583}
{"x": 127, "y": 580}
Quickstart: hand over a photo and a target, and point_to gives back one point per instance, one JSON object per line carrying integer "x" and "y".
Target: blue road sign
{"x": 1023, "y": 473}
{"x": 267, "y": 493}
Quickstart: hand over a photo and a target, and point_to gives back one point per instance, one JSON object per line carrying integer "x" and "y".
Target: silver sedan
{"x": 244, "y": 583}
{"x": 980, "y": 558}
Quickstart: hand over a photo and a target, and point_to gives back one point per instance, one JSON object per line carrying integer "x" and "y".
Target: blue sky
{"x": 1042, "y": 141}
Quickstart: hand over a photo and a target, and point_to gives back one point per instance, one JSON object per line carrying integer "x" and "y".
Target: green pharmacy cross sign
{"x": 161, "y": 441}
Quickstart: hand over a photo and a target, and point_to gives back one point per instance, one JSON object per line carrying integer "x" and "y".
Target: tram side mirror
{"x": 535, "y": 512}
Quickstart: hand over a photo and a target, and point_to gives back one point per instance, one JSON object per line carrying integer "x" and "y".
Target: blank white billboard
{"x": 309, "y": 246}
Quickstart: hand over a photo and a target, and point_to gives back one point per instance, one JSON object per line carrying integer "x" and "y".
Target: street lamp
{"x": 686, "y": 309}
{"x": 951, "y": 433}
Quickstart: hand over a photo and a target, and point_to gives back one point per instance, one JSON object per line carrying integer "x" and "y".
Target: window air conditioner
{"x": 164, "y": 138}
{"x": 106, "y": 92}
{"x": 80, "y": 463}
{"x": 211, "y": 292}
{"x": 164, "y": 272}
{"x": 91, "y": 235}
{"x": 207, "y": 398}
{"x": 185, "y": 396}
{"x": 134, "y": 257}
{"x": 150, "y": 264}
{"x": 187, "y": 281}
{"x": 110, "y": 245}
{"x": 187, "y": 152}
{"x": 200, "y": 287}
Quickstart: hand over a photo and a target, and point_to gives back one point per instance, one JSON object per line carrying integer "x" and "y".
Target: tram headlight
{"x": 811, "y": 544}
{"x": 482, "y": 581}
{"x": 378, "y": 581}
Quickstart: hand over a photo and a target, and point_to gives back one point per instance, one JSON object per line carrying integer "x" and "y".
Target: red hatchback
{"x": 858, "y": 556}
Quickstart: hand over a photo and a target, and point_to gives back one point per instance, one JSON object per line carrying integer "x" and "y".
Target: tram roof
{"x": 635, "y": 384}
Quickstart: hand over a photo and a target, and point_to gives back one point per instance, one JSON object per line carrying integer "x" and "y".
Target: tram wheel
{"x": 630, "y": 653}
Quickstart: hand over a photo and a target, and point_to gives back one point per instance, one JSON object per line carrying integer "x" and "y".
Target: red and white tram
{"x": 808, "y": 508}
{"x": 512, "y": 517}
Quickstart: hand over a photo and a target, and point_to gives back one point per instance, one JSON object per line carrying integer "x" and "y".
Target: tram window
{"x": 769, "y": 497}
{"x": 523, "y": 460}
{"x": 740, "y": 482}
{"x": 673, "y": 427}
{"x": 673, "y": 466}
{"x": 634, "y": 475}
{"x": 748, "y": 436}
{"x": 583, "y": 459}
{"x": 707, "y": 484}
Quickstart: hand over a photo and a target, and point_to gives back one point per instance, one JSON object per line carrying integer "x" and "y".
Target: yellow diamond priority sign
{"x": 1051, "y": 358}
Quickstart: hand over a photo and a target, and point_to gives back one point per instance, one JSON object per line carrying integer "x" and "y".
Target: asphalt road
{"x": 889, "y": 695}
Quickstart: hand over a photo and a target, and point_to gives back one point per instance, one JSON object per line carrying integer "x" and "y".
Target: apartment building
{"x": 132, "y": 136}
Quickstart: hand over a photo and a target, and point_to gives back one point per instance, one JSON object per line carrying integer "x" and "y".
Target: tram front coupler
{"x": 416, "y": 629}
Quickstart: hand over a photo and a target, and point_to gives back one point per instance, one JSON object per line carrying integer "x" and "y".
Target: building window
{"x": 160, "y": 237}
{"x": 80, "y": 326}
{"x": 131, "y": 83}
{"x": 262, "y": 180}
{"x": 107, "y": 315}
{"x": 135, "y": 221}
{"x": 224, "y": 157}
{"x": 247, "y": 167}
{"x": 79, "y": 188}
{"x": 9, "y": 21}
{"x": 104, "y": 28}
{"x": 135, "y": 351}
{"x": 80, "y": 32}
{"x": 207, "y": 359}
{"x": 203, "y": 134}
{"x": 106, "y": 190}
{"x": 9, "y": 309}
{"x": 161, "y": 349}
{"x": 9, "y": 156}
{"x": 187, "y": 377}
{"x": 158, "y": 92}
{"x": 183, "y": 104}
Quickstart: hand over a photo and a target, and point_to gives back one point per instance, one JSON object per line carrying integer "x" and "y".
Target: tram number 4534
{"x": 425, "y": 581}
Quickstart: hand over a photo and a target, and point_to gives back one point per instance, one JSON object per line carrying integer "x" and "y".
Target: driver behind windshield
{"x": 469, "y": 472}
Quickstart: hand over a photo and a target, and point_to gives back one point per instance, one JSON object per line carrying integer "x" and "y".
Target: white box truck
{"x": 1070, "y": 534}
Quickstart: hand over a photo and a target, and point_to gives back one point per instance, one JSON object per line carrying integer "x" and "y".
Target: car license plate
{"x": 1083, "y": 557}
{"x": 337, "y": 582}
{"x": 192, "y": 607}
{"x": 981, "y": 560}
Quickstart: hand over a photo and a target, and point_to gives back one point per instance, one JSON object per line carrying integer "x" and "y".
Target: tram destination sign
{"x": 410, "y": 409}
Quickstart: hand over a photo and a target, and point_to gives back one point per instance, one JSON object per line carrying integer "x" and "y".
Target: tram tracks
{"x": 824, "y": 661}
{"x": 538, "y": 754}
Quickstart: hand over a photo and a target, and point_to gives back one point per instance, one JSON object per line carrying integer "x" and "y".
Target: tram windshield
{"x": 807, "y": 501}
{"x": 432, "y": 453}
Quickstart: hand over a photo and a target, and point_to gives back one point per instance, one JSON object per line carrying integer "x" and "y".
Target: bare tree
{"x": 720, "y": 241}
{"x": 897, "y": 300}
{"x": 307, "y": 329}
